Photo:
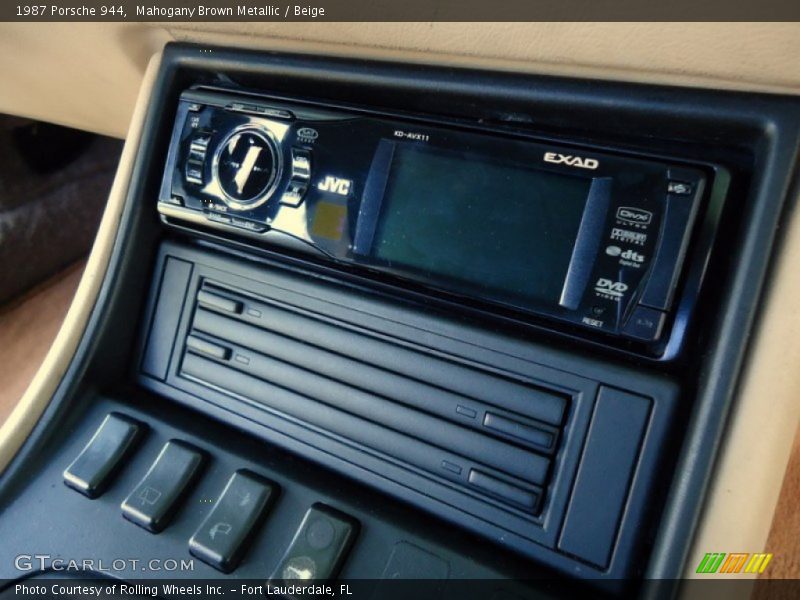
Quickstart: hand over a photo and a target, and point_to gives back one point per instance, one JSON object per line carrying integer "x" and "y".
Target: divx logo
{"x": 610, "y": 289}
{"x": 634, "y": 216}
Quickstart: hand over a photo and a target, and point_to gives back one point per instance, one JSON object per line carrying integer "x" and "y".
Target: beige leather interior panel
{"x": 15, "y": 430}
{"x": 721, "y": 55}
{"x": 84, "y": 75}
{"x": 87, "y": 74}
{"x": 761, "y": 429}
{"x": 28, "y": 326}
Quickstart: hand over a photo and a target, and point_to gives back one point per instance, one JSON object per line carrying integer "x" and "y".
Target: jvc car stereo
{"x": 593, "y": 240}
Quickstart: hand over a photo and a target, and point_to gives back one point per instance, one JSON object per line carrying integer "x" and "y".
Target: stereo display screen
{"x": 477, "y": 226}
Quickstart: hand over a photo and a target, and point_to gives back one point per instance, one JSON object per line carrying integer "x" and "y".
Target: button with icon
{"x": 645, "y": 324}
{"x": 319, "y": 547}
{"x": 222, "y": 538}
{"x": 154, "y": 501}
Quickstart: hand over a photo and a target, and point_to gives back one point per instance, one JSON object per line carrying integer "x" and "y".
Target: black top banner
{"x": 403, "y": 10}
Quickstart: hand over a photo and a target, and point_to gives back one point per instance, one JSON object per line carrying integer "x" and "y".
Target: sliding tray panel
{"x": 458, "y": 421}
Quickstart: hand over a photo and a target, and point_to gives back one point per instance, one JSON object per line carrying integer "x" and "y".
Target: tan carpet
{"x": 784, "y": 538}
{"x": 28, "y": 326}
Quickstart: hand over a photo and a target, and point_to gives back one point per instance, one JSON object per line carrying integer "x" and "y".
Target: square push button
{"x": 155, "y": 499}
{"x": 222, "y": 538}
{"x": 319, "y": 547}
{"x": 92, "y": 471}
{"x": 295, "y": 191}
{"x": 645, "y": 324}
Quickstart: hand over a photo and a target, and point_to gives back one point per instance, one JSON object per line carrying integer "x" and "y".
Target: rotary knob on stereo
{"x": 247, "y": 167}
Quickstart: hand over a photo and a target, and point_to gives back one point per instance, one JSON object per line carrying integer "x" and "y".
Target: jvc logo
{"x": 613, "y": 289}
{"x": 572, "y": 161}
{"x": 335, "y": 185}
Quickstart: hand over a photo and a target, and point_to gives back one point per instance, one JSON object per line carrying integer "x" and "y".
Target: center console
{"x": 368, "y": 321}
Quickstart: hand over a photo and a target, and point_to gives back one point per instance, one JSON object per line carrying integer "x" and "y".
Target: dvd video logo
{"x": 610, "y": 289}
{"x": 634, "y": 216}
{"x": 572, "y": 161}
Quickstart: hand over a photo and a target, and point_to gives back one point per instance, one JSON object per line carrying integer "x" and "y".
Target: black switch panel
{"x": 94, "y": 468}
{"x": 319, "y": 547}
{"x": 154, "y": 501}
{"x": 610, "y": 459}
{"x": 222, "y": 538}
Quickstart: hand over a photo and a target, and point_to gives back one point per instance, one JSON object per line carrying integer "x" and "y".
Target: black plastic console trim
{"x": 372, "y": 388}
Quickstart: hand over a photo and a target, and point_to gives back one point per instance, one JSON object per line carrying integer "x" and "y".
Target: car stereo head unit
{"x": 592, "y": 240}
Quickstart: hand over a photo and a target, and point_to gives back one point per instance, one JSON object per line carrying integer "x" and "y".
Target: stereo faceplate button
{"x": 680, "y": 188}
{"x": 645, "y": 324}
{"x": 301, "y": 164}
{"x": 294, "y": 194}
{"x": 255, "y": 109}
{"x": 218, "y": 218}
{"x": 199, "y": 146}
{"x": 195, "y": 163}
{"x": 194, "y": 172}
